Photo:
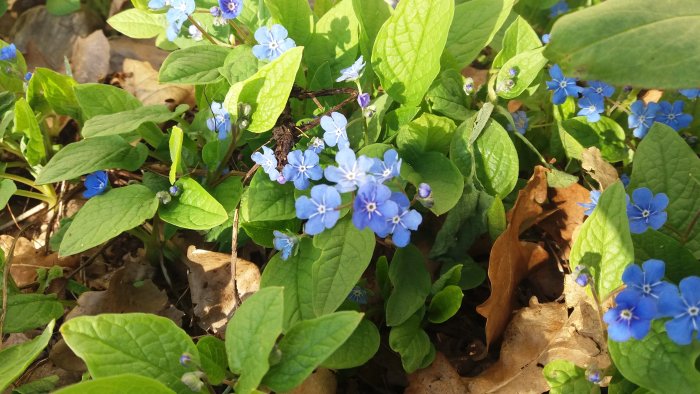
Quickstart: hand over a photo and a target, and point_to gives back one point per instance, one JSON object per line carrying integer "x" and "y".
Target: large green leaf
{"x": 605, "y": 134}
{"x": 518, "y": 38}
{"x": 195, "y": 65}
{"x": 445, "y": 304}
{"x": 680, "y": 263}
{"x": 15, "y": 359}
{"x": 295, "y": 15}
{"x": 441, "y": 174}
{"x": 411, "y": 342}
{"x": 475, "y": 24}
{"x": 266, "y": 91}
{"x": 656, "y": 363}
{"x": 144, "y": 344}
{"x": 307, "y": 345}
{"x": 257, "y": 322}
{"x": 105, "y": 216}
{"x": 358, "y": 349}
{"x": 427, "y": 133}
{"x": 371, "y": 15}
{"x": 28, "y": 311}
{"x": 406, "y": 54}
{"x": 239, "y": 65}
{"x": 345, "y": 254}
{"x": 666, "y": 164}
{"x": 335, "y": 39}
{"x": 266, "y": 200}
{"x": 175, "y": 147}
{"x": 527, "y": 65}
{"x": 212, "y": 354}
{"x": 119, "y": 384}
{"x": 136, "y": 23}
{"x": 26, "y": 123}
{"x": 128, "y": 121}
{"x": 57, "y": 90}
{"x": 496, "y": 160}
{"x": 411, "y": 282}
{"x": 604, "y": 42}
{"x": 100, "y": 99}
{"x": 603, "y": 244}
{"x": 62, "y": 7}
{"x": 7, "y": 189}
{"x": 194, "y": 208}
{"x": 294, "y": 275}
{"x": 86, "y": 156}
{"x": 564, "y": 377}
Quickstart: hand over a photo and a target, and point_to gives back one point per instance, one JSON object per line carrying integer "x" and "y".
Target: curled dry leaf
{"x": 512, "y": 259}
{"x": 563, "y": 224}
{"x": 27, "y": 260}
{"x": 439, "y": 377}
{"x": 142, "y": 82}
{"x": 322, "y": 381}
{"x": 90, "y": 59}
{"x": 212, "y": 288}
{"x": 594, "y": 164}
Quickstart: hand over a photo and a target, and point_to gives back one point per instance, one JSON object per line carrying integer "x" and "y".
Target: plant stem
{"x": 201, "y": 29}
{"x": 36, "y": 196}
{"x": 234, "y": 258}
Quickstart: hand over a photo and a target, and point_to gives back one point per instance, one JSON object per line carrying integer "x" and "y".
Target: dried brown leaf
{"x": 90, "y": 59}
{"x": 439, "y": 377}
{"x": 142, "y": 82}
{"x": 27, "y": 260}
{"x": 568, "y": 216}
{"x": 512, "y": 259}
{"x": 594, "y": 164}
{"x": 322, "y": 381}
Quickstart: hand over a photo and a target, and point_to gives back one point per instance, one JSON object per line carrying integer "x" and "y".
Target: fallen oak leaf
{"x": 512, "y": 259}
{"x": 568, "y": 216}
{"x": 439, "y": 377}
{"x": 599, "y": 169}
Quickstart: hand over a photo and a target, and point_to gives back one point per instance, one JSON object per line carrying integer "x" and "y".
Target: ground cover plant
{"x": 351, "y": 196}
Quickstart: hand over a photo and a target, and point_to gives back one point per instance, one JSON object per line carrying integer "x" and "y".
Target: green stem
{"x": 36, "y": 196}
{"x": 532, "y": 148}
{"x": 201, "y": 29}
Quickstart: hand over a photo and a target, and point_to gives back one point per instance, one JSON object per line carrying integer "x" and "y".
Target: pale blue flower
{"x": 353, "y": 72}
{"x": 272, "y": 42}
{"x": 320, "y": 209}
{"x": 351, "y": 171}
{"x": 268, "y": 162}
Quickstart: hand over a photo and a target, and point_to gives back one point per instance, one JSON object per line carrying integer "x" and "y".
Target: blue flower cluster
{"x": 221, "y": 121}
{"x": 647, "y": 297}
{"x": 643, "y": 116}
{"x": 592, "y": 101}
{"x": 178, "y": 12}
{"x": 645, "y": 210}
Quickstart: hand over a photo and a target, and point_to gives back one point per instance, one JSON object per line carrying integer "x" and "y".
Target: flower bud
{"x": 363, "y": 100}
{"x": 215, "y": 11}
{"x": 185, "y": 359}
{"x": 174, "y": 190}
{"x": 164, "y": 197}
{"x": 512, "y": 72}
{"x": 594, "y": 375}
{"x": 468, "y": 86}
{"x": 424, "y": 190}
{"x": 244, "y": 110}
{"x": 193, "y": 380}
{"x": 243, "y": 123}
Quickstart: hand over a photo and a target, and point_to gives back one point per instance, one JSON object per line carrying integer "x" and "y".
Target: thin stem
{"x": 201, "y": 29}
{"x": 689, "y": 229}
{"x": 234, "y": 258}
{"x": 532, "y": 148}
{"x": 36, "y": 196}
{"x": 244, "y": 36}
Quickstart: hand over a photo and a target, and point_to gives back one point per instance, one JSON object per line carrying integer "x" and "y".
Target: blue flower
{"x": 561, "y": 85}
{"x": 625, "y": 179}
{"x": 521, "y": 122}
{"x": 185, "y": 359}
{"x": 647, "y": 280}
{"x": 300, "y": 167}
{"x": 373, "y": 206}
{"x": 545, "y": 38}
{"x": 602, "y": 89}
{"x": 363, "y": 100}
{"x": 95, "y": 183}
{"x": 468, "y": 86}
{"x": 590, "y": 206}
{"x": 176, "y": 16}
{"x": 316, "y": 145}
{"x": 558, "y": 9}
{"x": 28, "y": 76}
{"x": 630, "y": 318}
{"x": 195, "y": 33}
{"x": 268, "y": 162}
{"x": 230, "y": 9}
{"x": 350, "y": 173}
{"x": 684, "y": 308}
{"x": 353, "y": 72}
{"x": 647, "y": 210}
{"x": 272, "y": 42}
{"x": 221, "y": 122}
{"x": 582, "y": 275}
{"x": 592, "y": 105}
{"x": 284, "y": 243}
{"x": 387, "y": 169}
{"x": 320, "y": 209}
{"x": 641, "y": 117}
{"x": 401, "y": 224}
{"x": 358, "y": 295}
{"x": 424, "y": 190}
{"x": 672, "y": 115}
{"x": 335, "y": 132}
{"x": 8, "y": 53}
{"x": 690, "y": 93}
{"x": 174, "y": 190}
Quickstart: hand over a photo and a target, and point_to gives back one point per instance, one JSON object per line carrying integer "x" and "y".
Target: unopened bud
{"x": 363, "y": 100}
{"x": 244, "y": 110}
{"x": 164, "y": 197}
{"x": 193, "y": 380}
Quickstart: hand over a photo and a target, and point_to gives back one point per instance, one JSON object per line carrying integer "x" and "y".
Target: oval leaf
{"x": 120, "y": 384}
{"x": 194, "y": 208}
{"x": 195, "y": 65}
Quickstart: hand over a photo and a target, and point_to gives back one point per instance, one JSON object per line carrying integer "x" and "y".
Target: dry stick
{"x": 5, "y": 275}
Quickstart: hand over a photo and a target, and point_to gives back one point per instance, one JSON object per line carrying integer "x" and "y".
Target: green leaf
{"x": 475, "y": 24}
{"x": 603, "y": 244}
{"x": 194, "y": 208}
{"x": 451, "y": 276}
{"x": 472, "y": 273}
{"x": 239, "y": 65}
{"x": 100, "y": 99}
{"x": 528, "y": 65}
{"x": 307, "y": 345}
{"x": 411, "y": 342}
{"x": 518, "y": 38}
{"x": 86, "y": 156}
{"x": 144, "y": 344}
{"x": 469, "y": 213}
{"x": 445, "y": 304}
{"x": 262, "y": 232}
{"x": 345, "y": 255}
{"x": 425, "y": 134}
{"x": 604, "y": 42}
{"x": 656, "y": 363}
{"x": 564, "y": 377}
{"x": 496, "y": 160}
{"x": 195, "y": 65}
{"x": 15, "y": 359}
{"x": 28, "y": 311}
{"x": 228, "y": 192}
{"x": 258, "y": 321}
{"x": 38, "y": 386}
{"x": 58, "y": 91}
{"x": 406, "y": 54}
{"x": 443, "y": 177}
{"x": 128, "y": 121}
{"x": 212, "y": 354}
{"x": 175, "y": 147}
{"x": 371, "y": 15}
{"x": 462, "y": 149}
{"x": 411, "y": 282}
{"x": 605, "y": 134}
{"x": 105, "y": 216}
{"x": 295, "y": 16}
{"x": 7, "y": 189}
{"x": 357, "y": 350}
{"x": 119, "y": 384}
{"x": 335, "y": 39}
{"x": 666, "y": 164}
{"x": 496, "y": 217}
{"x": 266, "y": 200}
{"x": 266, "y": 91}
{"x": 136, "y": 23}
{"x": 62, "y": 7}
{"x": 652, "y": 244}
{"x": 294, "y": 275}
{"x": 25, "y": 123}
{"x": 447, "y": 96}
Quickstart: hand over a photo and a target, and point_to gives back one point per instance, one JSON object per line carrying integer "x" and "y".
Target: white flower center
{"x": 302, "y": 168}
{"x": 599, "y": 90}
{"x": 321, "y": 209}
{"x": 231, "y": 6}
{"x": 626, "y": 314}
{"x": 371, "y": 207}
{"x": 693, "y": 311}
{"x": 671, "y": 116}
{"x": 386, "y": 173}
{"x": 591, "y": 108}
{"x": 396, "y": 219}
{"x": 646, "y": 288}
{"x": 645, "y": 213}
{"x": 563, "y": 84}
{"x": 268, "y": 163}
{"x": 273, "y": 44}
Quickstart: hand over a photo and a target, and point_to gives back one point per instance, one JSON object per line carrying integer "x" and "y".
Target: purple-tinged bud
{"x": 363, "y": 100}
{"x": 281, "y": 179}
{"x": 512, "y": 72}
{"x": 545, "y": 38}
{"x": 174, "y": 190}
{"x": 468, "y": 86}
{"x": 215, "y": 11}
{"x": 424, "y": 190}
{"x": 582, "y": 280}
{"x": 185, "y": 359}
{"x": 27, "y": 76}
{"x": 594, "y": 375}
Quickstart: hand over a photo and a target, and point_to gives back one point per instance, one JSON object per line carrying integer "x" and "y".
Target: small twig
{"x": 250, "y": 173}
{"x": 91, "y": 258}
{"x": 25, "y": 215}
{"x": 310, "y": 125}
{"x": 234, "y": 258}
{"x": 204, "y": 33}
